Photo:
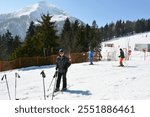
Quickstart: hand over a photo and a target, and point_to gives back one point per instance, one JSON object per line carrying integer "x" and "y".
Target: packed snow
{"x": 101, "y": 81}
{"x": 126, "y": 43}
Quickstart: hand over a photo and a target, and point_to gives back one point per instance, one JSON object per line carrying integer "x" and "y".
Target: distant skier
{"x": 62, "y": 64}
{"x": 91, "y": 56}
{"x": 121, "y": 56}
{"x": 129, "y": 54}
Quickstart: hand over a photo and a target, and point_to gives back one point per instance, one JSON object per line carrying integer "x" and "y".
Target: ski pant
{"x": 121, "y": 61}
{"x": 59, "y": 79}
{"x": 91, "y": 60}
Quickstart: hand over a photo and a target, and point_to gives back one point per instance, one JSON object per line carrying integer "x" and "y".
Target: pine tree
{"x": 16, "y": 42}
{"x": 47, "y": 33}
{"x": 105, "y": 32}
{"x": 85, "y": 33}
{"x": 66, "y": 36}
{"x": 111, "y": 31}
{"x": 118, "y": 28}
{"x": 129, "y": 27}
{"x": 16, "y": 45}
{"x": 41, "y": 40}
{"x": 31, "y": 30}
{"x": 81, "y": 42}
{"x": 148, "y": 25}
{"x": 94, "y": 41}
{"x": 9, "y": 44}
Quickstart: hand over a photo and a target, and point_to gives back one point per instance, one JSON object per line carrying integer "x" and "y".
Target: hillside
{"x": 101, "y": 81}
{"x": 127, "y": 43}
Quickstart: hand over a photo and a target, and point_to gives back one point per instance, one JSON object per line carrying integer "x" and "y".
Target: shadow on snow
{"x": 36, "y": 67}
{"x": 81, "y": 92}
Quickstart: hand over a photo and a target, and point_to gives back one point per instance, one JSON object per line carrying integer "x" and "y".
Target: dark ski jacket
{"x": 121, "y": 54}
{"x": 62, "y": 64}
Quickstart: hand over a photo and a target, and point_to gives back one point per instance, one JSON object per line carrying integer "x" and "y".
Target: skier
{"x": 129, "y": 54}
{"x": 121, "y": 56}
{"x": 62, "y": 64}
{"x": 91, "y": 56}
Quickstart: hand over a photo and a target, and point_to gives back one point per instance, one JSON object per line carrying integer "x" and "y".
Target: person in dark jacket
{"x": 62, "y": 64}
{"x": 121, "y": 56}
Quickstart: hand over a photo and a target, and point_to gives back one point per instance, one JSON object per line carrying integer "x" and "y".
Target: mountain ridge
{"x": 18, "y": 21}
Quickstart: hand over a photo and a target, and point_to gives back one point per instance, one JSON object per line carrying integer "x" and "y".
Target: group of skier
{"x": 121, "y": 56}
{"x": 63, "y": 63}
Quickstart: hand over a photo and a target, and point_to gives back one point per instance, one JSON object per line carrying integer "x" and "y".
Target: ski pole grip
{"x": 4, "y": 76}
{"x": 43, "y": 74}
{"x": 17, "y": 75}
{"x": 55, "y": 75}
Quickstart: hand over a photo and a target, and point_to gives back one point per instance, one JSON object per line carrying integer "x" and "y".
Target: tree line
{"x": 43, "y": 39}
{"x": 124, "y": 28}
{"x": 8, "y": 44}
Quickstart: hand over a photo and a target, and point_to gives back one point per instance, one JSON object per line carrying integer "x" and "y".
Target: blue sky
{"x": 103, "y": 11}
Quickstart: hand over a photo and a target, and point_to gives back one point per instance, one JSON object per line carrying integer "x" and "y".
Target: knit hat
{"x": 61, "y": 50}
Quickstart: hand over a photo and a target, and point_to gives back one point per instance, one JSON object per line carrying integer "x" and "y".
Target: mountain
{"x": 18, "y": 22}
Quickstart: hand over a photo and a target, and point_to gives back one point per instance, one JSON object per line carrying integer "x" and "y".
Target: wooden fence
{"x": 39, "y": 61}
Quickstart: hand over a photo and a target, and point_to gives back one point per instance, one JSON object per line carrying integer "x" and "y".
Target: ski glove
{"x": 56, "y": 73}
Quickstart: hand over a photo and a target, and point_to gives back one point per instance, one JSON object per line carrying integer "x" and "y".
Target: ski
{"x": 24, "y": 98}
{"x": 58, "y": 92}
{"x": 118, "y": 66}
{"x": 54, "y": 94}
{"x": 125, "y": 66}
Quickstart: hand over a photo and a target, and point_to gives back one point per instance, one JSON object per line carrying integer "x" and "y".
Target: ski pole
{"x": 55, "y": 76}
{"x": 16, "y": 76}
{"x": 43, "y": 75}
{"x": 50, "y": 84}
{"x": 6, "y": 85}
{"x": 53, "y": 79}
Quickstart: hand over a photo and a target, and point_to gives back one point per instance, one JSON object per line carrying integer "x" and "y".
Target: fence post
{"x": 20, "y": 63}
{"x": 37, "y": 60}
{"x": 54, "y": 60}
{"x": 0, "y": 65}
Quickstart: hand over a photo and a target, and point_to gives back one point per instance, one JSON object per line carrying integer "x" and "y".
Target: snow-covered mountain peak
{"x": 18, "y": 22}
{"x": 38, "y": 8}
{"x": 26, "y": 11}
